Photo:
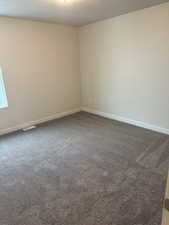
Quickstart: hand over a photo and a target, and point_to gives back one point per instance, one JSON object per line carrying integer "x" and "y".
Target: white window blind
{"x": 3, "y": 98}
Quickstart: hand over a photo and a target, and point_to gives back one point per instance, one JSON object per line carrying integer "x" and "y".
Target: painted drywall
{"x": 40, "y": 63}
{"x": 125, "y": 66}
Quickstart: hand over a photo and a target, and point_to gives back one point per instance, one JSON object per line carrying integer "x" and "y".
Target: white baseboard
{"x": 126, "y": 120}
{"x": 42, "y": 120}
{"x": 96, "y": 112}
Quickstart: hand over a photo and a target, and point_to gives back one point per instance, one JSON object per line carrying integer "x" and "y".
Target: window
{"x": 3, "y": 98}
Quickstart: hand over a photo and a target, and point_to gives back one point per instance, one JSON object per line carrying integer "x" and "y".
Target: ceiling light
{"x": 66, "y": 1}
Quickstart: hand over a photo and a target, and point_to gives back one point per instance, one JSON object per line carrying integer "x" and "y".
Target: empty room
{"x": 84, "y": 112}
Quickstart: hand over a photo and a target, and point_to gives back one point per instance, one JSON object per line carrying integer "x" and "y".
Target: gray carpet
{"x": 83, "y": 170}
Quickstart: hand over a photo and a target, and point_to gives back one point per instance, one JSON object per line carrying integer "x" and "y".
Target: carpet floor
{"x": 83, "y": 170}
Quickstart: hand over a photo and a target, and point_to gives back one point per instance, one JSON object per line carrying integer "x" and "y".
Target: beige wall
{"x": 40, "y": 62}
{"x": 125, "y": 66}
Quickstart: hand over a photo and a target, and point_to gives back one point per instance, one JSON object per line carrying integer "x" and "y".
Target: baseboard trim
{"x": 126, "y": 120}
{"x": 93, "y": 111}
{"x": 36, "y": 122}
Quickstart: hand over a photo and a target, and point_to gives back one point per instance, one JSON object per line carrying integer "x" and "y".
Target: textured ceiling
{"x": 74, "y": 12}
